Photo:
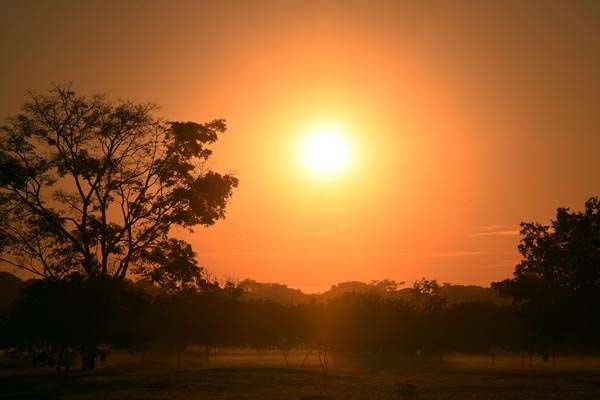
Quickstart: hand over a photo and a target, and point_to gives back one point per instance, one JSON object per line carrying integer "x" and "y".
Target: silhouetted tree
{"x": 427, "y": 295}
{"x": 57, "y": 320}
{"x": 556, "y": 286}
{"x": 431, "y": 318}
{"x": 95, "y": 187}
{"x": 481, "y": 327}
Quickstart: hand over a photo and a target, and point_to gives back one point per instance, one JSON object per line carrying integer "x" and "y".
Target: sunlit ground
{"x": 264, "y": 375}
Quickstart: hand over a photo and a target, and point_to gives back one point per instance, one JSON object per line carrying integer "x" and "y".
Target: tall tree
{"x": 556, "y": 286}
{"x": 93, "y": 186}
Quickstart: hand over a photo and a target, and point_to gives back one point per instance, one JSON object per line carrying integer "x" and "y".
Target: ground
{"x": 265, "y": 376}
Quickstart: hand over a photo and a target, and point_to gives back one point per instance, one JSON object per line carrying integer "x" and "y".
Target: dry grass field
{"x": 250, "y": 375}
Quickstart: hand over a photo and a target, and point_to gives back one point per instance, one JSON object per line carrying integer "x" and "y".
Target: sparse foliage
{"x": 96, "y": 187}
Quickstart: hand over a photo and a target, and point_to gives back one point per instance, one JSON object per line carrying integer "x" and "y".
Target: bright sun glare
{"x": 326, "y": 151}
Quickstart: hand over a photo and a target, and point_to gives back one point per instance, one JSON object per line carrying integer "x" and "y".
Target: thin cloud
{"x": 499, "y": 233}
{"x": 496, "y": 227}
{"x": 498, "y": 230}
{"x": 444, "y": 254}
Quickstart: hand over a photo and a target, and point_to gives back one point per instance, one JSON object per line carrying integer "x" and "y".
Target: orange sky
{"x": 467, "y": 118}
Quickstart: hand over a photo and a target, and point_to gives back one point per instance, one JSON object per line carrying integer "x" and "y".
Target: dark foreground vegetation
{"x": 54, "y": 320}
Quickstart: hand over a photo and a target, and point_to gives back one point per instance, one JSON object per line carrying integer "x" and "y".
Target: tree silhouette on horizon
{"x": 556, "y": 285}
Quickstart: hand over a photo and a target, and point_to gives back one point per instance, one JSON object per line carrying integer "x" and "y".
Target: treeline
{"x": 386, "y": 287}
{"x": 58, "y": 322}
{"x": 55, "y": 322}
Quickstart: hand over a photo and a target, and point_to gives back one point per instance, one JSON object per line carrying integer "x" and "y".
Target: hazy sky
{"x": 466, "y": 118}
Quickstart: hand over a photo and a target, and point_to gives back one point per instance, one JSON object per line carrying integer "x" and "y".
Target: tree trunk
{"x": 67, "y": 360}
{"x": 553, "y": 358}
{"x": 88, "y": 357}
{"x": 59, "y": 362}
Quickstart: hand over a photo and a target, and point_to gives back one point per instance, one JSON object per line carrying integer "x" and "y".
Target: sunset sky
{"x": 457, "y": 121}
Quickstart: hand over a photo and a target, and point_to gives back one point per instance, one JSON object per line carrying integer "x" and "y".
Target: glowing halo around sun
{"x": 326, "y": 151}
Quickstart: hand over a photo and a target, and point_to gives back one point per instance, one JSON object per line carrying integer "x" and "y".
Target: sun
{"x": 326, "y": 151}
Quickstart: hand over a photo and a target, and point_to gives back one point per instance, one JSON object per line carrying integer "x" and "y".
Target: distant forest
{"x": 10, "y": 285}
{"x": 387, "y": 288}
{"x": 45, "y": 320}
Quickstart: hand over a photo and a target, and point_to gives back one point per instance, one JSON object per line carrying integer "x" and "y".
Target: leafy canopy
{"x": 556, "y": 286}
{"x": 93, "y": 186}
